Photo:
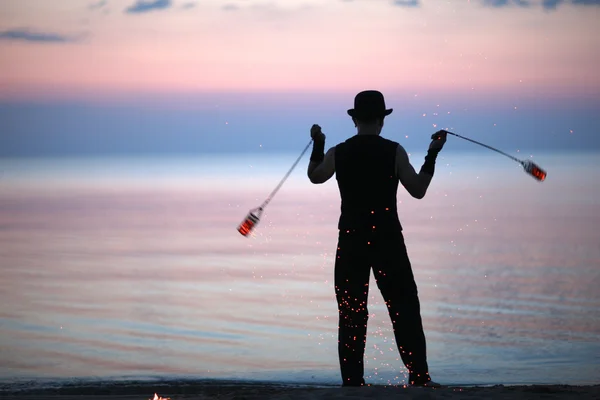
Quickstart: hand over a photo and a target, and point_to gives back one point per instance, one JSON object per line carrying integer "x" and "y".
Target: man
{"x": 368, "y": 169}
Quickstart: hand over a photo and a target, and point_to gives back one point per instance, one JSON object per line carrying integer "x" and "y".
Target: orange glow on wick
{"x": 535, "y": 171}
{"x": 538, "y": 173}
{"x": 249, "y": 223}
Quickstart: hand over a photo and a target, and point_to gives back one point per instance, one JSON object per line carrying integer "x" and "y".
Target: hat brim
{"x": 357, "y": 114}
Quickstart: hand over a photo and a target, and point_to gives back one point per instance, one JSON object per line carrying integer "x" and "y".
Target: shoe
{"x": 427, "y": 384}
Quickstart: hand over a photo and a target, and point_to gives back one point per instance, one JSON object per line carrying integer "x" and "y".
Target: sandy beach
{"x": 251, "y": 390}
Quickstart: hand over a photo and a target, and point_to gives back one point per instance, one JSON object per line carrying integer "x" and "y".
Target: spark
{"x": 157, "y": 397}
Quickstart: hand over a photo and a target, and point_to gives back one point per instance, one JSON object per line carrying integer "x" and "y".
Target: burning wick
{"x": 246, "y": 227}
{"x": 534, "y": 170}
{"x": 250, "y": 222}
{"x": 157, "y": 397}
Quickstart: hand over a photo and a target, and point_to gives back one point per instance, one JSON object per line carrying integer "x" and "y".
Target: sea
{"x": 132, "y": 268}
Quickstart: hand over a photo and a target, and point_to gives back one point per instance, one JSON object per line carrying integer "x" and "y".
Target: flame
{"x": 157, "y": 397}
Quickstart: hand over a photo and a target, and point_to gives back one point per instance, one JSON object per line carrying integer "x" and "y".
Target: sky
{"x": 84, "y": 77}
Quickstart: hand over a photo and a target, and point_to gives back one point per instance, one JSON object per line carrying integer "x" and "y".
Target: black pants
{"x": 385, "y": 253}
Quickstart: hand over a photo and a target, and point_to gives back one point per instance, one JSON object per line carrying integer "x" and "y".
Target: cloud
{"x": 503, "y": 3}
{"x": 545, "y": 4}
{"x": 407, "y": 3}
{"x": 98, "y": 5}
{"x": 29, "y": 35}
{"x": 144, "y": 6}
{"x": 586, "y": 2}
{"x": 399, "y": 3}
{"x": 551, "y": 4}
{"x": 188, "y": 5}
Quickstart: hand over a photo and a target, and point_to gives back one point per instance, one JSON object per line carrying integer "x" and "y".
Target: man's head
{"x": 369, "y": 108}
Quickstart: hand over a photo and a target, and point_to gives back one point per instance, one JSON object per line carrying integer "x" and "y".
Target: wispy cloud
{"x": 98, "y": 5}
{"x": 545, "y": 4}
{"x": 555, "y": 3}
{"x": 503, "y": 3}
{"x": 30, "y": 35}
{"x": 144, "y": 6}
{"x": 399, "y": 3}
{"x": 407, "y": 3}
{"x": 551, "y": 4}
{"x": 188, "y": 5}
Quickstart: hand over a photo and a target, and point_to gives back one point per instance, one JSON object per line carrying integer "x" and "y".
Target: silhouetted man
{"x": 368, "y": 169}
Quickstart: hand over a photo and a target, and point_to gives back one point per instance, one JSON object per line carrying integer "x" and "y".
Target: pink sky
{"x": 298, "y": 45}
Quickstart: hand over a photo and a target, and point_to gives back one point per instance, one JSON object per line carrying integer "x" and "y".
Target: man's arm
{"x": 415, "y": 184}
{"x": 321, "y": 171}
{"x": 321, "y": 166}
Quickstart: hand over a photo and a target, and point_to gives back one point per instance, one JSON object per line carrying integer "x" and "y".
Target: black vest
{"x": 365, "y": 168}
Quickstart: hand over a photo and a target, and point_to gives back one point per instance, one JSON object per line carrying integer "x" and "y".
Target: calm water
{"x": 117, "y": 268}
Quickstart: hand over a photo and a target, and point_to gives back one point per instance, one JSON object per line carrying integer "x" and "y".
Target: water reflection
{"x": 144, "y": 279}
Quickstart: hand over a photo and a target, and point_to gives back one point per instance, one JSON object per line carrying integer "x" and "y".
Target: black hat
{"x": 369, "y": 104}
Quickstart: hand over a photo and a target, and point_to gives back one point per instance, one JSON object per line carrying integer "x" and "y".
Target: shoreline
{"x": 231, "y": 389}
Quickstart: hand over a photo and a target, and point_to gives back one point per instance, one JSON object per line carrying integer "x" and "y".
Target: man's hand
{"x": 437, "y": 140}
{"x": 316, "y": 134}
{"x": 319, "y": 171}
